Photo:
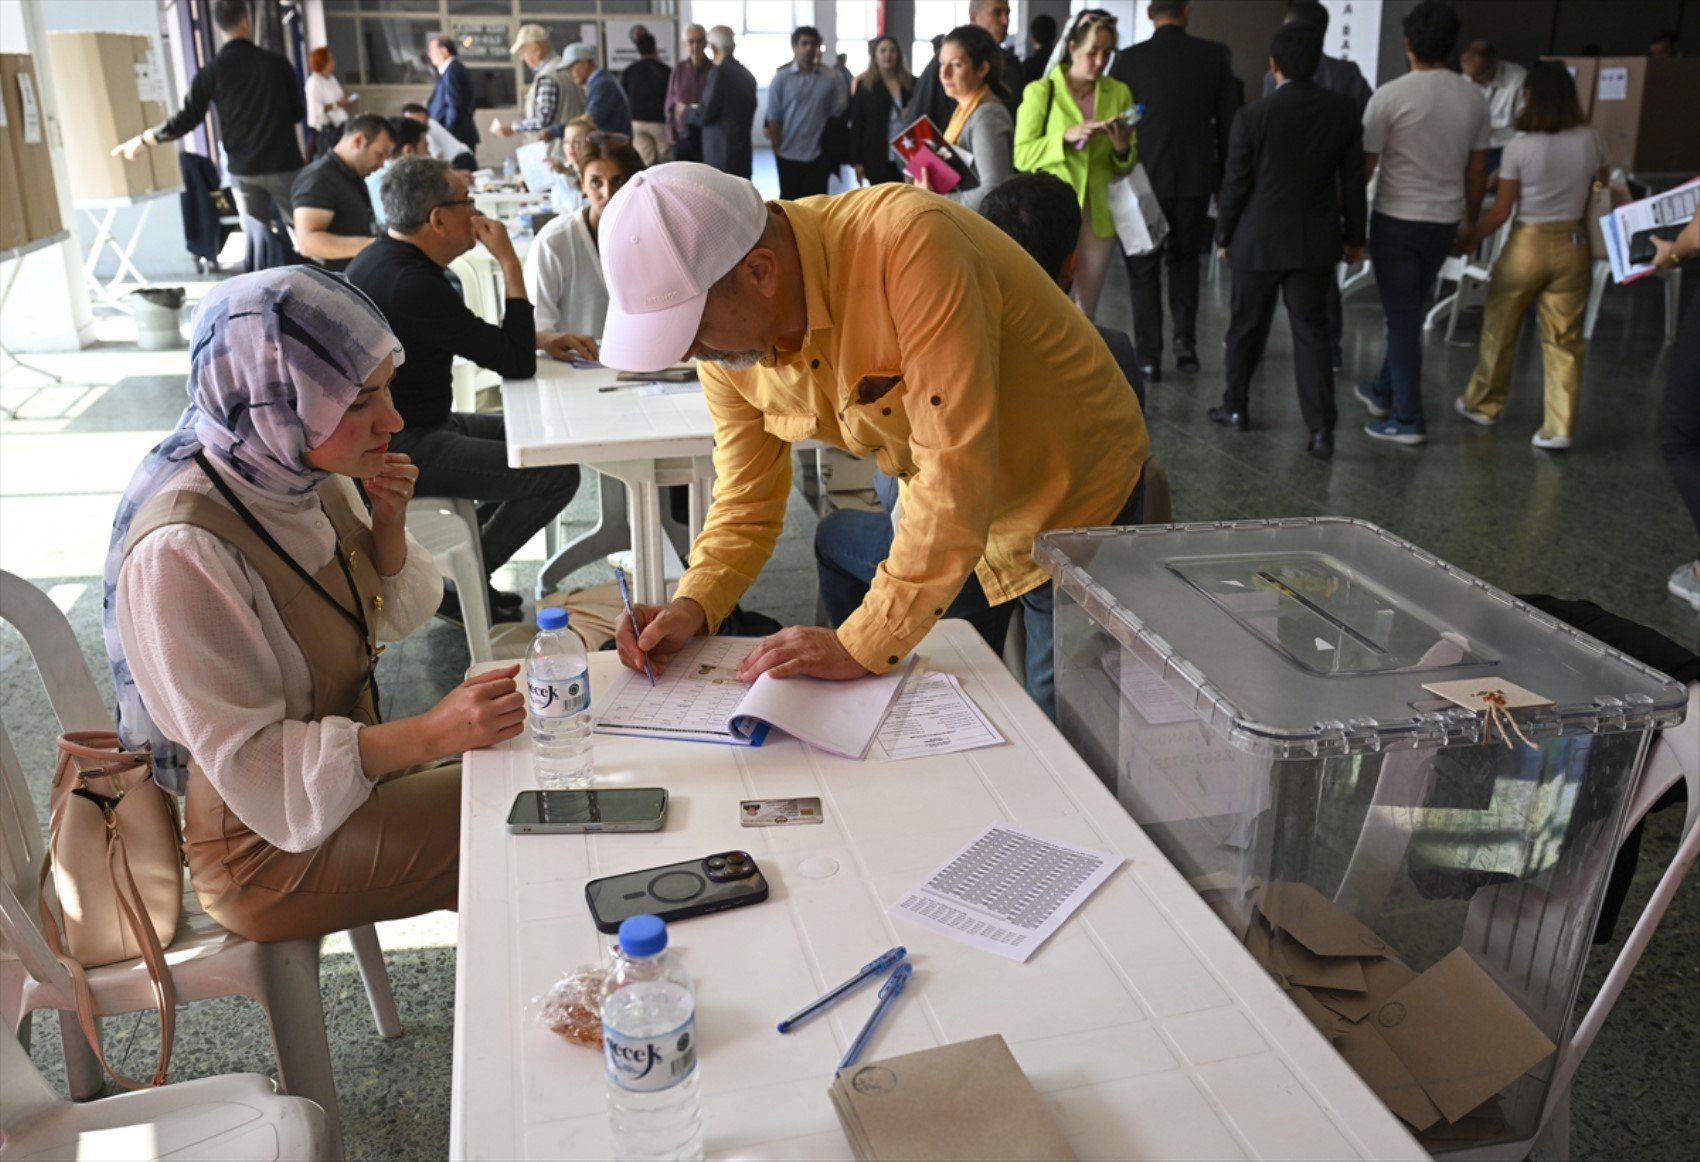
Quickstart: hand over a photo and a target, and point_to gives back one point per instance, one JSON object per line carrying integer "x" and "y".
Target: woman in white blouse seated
{"x": 563, "y": 272}
{"x": 327, "y": 105}
{"x": 971, "y": 73}
{"x": 247, "y": 588}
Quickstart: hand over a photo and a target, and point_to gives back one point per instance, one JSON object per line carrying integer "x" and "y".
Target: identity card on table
{"x": 1007, "y": 891}
{"x": 699, "y": 699}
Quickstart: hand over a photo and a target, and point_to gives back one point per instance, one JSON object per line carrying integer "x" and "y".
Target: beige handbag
{"x": 115, "y": 853}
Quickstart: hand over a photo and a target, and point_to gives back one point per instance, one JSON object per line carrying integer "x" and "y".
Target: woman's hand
{"x": 1664, "y": 253}
{"x": 480, "y": 712}
{"x": 390, "y": 490}
{"x": 565, "y": 346}
{"x": 1120, "y": 134}
{"x": 924, "y": 180}
{"x": 1079, "y": 134}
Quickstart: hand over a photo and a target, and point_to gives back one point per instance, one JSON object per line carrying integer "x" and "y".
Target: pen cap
{"x": 551, "y": 617}
{"x": 643, "y": 936}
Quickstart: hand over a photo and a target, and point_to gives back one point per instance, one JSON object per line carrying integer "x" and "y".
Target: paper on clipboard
{"x": 534, "y": 167}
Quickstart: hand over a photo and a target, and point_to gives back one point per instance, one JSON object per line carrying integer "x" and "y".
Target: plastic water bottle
{"x": 649, "y": 1048}
{"x": 557, "y": 679}
{"x": 510, "y": 167}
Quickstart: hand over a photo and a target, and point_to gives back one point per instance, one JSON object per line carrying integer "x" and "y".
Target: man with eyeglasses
{"x": 432, "y": 221}
{"x": 685, "y": 88}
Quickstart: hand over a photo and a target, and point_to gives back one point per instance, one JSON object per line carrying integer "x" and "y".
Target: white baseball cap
{"x": 666, "y": 238}
{"x": 529, "y": 34}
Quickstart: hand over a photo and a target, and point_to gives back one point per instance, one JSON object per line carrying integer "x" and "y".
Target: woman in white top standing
{"x": 563, "y": 269}
{"x": 246, "y": 590}
{"x": 327, "y": 107}
{"x": 1545, "y": 175}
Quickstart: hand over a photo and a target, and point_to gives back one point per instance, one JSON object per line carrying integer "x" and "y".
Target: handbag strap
{"x": 134, "y": 912}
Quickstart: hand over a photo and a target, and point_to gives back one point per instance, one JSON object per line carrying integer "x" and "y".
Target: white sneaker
{"x": 1481, "y": 418}
{"x": 1550, "y": 443}
{"x": 1685, "y": 583}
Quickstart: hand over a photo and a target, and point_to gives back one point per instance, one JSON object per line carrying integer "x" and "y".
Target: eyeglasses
{"x": 456, "y": 202}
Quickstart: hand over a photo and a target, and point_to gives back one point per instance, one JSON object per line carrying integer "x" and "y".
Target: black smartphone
{"x": 574, "y": 812}
{"x": 678, "y": 891}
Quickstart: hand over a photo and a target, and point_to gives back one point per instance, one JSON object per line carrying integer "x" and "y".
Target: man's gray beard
{"x": 733, "y": 360}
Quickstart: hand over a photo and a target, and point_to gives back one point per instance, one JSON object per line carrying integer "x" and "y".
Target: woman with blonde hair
{"x": 1071, "y": 124}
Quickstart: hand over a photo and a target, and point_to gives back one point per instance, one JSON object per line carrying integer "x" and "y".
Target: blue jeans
{"x": 1406, "y": 257}
{"x": 849, "y": 547}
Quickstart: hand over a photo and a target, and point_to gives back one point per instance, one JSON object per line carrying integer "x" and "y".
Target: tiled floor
{"x": 1601, "y": 521}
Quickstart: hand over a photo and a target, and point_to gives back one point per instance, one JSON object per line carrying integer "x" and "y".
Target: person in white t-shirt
{"x": 1501, "y": 85}
{"x": 327, "y": 106}
{"x": 563, "y": 269}
{"x": 1545, "y": 176}
{"x": 439, "y": 142}
{"x": 1428, "y": 133}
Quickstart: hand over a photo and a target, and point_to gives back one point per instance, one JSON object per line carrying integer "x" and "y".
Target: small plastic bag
{"x": 572, "y": 1008}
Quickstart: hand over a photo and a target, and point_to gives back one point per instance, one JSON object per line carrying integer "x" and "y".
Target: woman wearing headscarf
{"x": 246, "y": 591}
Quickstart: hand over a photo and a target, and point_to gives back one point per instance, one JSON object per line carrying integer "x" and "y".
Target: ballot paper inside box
{"x": 1255, "y": 694}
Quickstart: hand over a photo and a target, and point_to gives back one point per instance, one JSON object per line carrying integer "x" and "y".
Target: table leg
{"x": 102, "y": 239}
{"x": 5, "y": 354}
{"x": 611, "y": 533}
{"x": 127, "y": 253}
{"x": 702, "y": 493}
{"x": 650, "y": 580}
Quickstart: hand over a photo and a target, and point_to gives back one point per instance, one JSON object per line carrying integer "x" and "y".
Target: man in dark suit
{"x": 1189, "y": 93}
{"x": 1292, "y": 202}
{"x": 451, "y": 99}
{"x": 728, "y": 107}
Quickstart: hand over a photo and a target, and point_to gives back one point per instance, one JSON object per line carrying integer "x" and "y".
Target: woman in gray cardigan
{"x": 971, "y": 72}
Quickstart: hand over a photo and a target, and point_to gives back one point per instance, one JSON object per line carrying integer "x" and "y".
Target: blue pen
{"x": 872, "y": 969}
{"x": 888, "y": 993}
{"x": 626, "y": 598}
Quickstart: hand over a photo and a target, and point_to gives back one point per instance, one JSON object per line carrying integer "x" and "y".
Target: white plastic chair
{"x": 236, "y": 1118}
{"x": 1471, "y": 273}
{"x": 205, "y": 960}
{"x": 1601, "y": 277}
{"x": 481, "y": 289}
{"x": 447, "y": 528}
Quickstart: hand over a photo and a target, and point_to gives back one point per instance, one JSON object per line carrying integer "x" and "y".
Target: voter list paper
{"x": 1007, "y": 891}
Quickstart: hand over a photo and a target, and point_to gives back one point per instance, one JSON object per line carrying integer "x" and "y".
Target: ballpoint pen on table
{"x": 626, "y": 599}
{"x": 888, "y": 994}
{"x": 872, "y": 969}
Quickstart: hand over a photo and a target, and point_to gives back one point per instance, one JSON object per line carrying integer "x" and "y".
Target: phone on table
{"x": 677, "y": 891}
{"x": 576, "y": 812}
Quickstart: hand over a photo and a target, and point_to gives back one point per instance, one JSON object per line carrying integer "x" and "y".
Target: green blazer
{"x": 1047, "y": 110}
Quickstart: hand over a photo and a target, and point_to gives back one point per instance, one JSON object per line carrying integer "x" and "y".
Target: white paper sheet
{"x": 933, "y": 715}
{"x": 534, "y": 168}
{"x": 1007, "y": 891}
{"x": 1668, "y": 212}
{"x": 699, "y": 699}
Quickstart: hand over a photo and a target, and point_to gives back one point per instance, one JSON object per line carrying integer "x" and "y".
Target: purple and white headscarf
{"x": 277, "y": 358}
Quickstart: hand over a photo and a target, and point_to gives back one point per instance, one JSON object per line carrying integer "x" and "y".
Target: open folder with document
{"x": 700, "y": 699}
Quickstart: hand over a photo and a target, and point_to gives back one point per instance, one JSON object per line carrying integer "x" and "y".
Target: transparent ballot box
{"x": 1421, "y": 869}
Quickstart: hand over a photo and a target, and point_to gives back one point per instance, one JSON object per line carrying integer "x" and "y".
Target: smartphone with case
{"x": 577, "y": 812}
{"x": 677, "y": 891}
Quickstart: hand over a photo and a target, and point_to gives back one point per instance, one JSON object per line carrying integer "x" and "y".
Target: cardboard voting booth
{"x": 29, "y": 203}
{"x": 1400, "y": 787}
{"x": 111, "y": 87}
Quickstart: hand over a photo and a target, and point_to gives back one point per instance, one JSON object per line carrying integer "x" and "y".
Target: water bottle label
{"x": 559, "y": 699}
{"x": 648, "y": 1064}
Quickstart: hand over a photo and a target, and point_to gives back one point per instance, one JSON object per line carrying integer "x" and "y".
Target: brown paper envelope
{"x": 1259, "y": 941}
{"x": 1382, "y": 1071}
{"x": 1458, "y": 1033}
{"x": 1383, "y": 976}
{"x": 1317, "y": 922}
{"x": 1326, "y": 1022}
{"x": 1302, "y": 966}
{"x": 1352, "y": 1006}
{"x": 964, "y": 1101}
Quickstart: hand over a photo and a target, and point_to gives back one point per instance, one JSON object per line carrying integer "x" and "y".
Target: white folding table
{"x": 103, "y": 212}
{"x": 645, "y": 441}
{"x": 1148, "y": 1030}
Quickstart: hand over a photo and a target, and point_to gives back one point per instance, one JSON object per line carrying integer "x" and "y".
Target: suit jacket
{"x": 726, "y": 114}
{"x": 870, "y": 128}
{"x": 451, "y": 103}
{"x": 1293, "y": 193}
{"x": 1190, "y": 94}
{"x": 1335, "y": 75}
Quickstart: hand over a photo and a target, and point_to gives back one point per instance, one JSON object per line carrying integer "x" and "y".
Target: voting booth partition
{"x": 1402, "y": 788}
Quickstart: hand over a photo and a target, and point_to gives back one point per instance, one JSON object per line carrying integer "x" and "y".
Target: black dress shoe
{"x": 449, "y": 610}
{"x": 1321, "y": 445}
{"x": 1238, "y": 421}
{"x": 1186, "y": 357}
{"x": 1151, "y": 372}
{"x": 503, "y": 599}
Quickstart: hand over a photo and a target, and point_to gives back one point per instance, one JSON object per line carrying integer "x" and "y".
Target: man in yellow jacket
{"x": 893, "y": 324}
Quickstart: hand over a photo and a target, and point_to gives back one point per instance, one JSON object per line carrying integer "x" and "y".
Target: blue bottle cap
{"x": 643, "y": 936}
{"x": 551, "y": 617}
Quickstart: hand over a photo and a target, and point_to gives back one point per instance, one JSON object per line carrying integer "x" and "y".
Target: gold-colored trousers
{"x": 1545, "y": 263}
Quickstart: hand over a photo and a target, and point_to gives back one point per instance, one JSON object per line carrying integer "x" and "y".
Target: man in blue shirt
{"x": 800, "y": 101}
{"x": 605, "y": 100}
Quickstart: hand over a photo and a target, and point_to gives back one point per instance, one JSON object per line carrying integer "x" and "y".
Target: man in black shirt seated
{"x": 431, "y": 223}
{"x": 333, "y": 210}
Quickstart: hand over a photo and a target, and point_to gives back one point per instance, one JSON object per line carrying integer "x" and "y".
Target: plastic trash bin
{"x": 157, "y": 309}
